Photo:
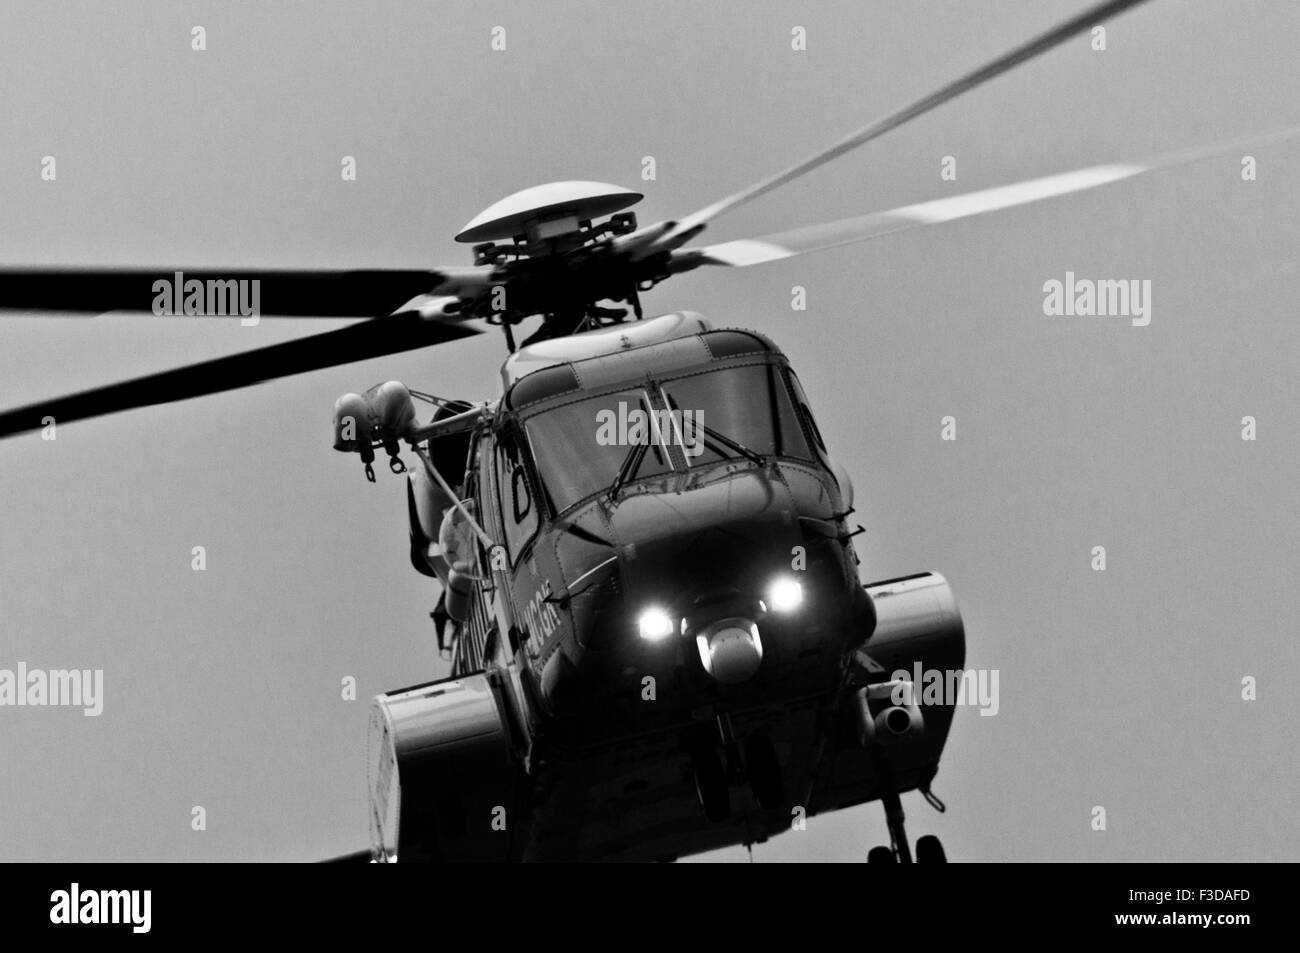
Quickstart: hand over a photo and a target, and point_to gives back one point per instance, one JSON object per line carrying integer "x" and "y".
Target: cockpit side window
{"x": 793, "y": 441}
{"x": 518, "y": 503}
{"x": 805, "y": 412}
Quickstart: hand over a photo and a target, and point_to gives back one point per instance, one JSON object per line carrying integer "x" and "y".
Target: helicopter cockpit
{"x": 689, "y": 421}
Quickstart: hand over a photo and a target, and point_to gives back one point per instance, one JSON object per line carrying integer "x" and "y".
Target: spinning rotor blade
{"x": 356, "y": 342}
{"x": 800, "y": 241}
{"x": 358, "y": 857}
{"x": 299, "y": 294}
{"x": 690, "y": 226}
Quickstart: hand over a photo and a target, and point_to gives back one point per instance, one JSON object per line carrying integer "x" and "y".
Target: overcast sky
{"x": 1119, "y": 688}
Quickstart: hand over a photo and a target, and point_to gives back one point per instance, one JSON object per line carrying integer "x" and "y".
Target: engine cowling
{"x": 917, "y": 619}
{"x": 443, "y": 771}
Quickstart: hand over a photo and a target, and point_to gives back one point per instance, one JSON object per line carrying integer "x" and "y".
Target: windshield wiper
{"x": 631, "y": 463}
{"x": 734, "y": 445}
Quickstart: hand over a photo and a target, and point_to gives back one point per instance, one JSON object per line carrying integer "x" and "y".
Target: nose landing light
{"x": 655, "y": 625}
{"x": 785, "y": 595}
{"x": 730, "y": 650}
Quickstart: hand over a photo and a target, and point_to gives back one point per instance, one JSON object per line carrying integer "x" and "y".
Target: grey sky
{"x": 1119, "y": 689}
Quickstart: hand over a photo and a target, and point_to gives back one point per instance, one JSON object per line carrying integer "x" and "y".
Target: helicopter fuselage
{"x": 668, "y": 616}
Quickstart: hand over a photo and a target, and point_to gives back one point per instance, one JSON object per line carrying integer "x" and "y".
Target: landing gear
{"x": 930, "y": 851}
{"x": 889, "y": 719}
{"x": 928, "y": 848}
{"x": 894, "y": 818}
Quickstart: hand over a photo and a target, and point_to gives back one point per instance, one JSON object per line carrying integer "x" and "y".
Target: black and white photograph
{"x": 730, "y": 432}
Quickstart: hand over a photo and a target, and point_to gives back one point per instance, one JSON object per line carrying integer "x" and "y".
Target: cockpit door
{"x": 518, "y": 503}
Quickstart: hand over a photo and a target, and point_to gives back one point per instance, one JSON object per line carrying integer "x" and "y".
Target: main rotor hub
{"x": 546, "y": 211}
{"x": 550, "y": 259}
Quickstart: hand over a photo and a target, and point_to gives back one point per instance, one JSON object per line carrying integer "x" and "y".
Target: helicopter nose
{"x": 730, "y": 649}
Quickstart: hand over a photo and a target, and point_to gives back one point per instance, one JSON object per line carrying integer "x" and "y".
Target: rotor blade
{"x": 358, "y": 857}
{"x": 690, "y": 226}
{"x": 303, "y": 293}
{"x": 356, "y": 342}
{"x": 799, "y": 241}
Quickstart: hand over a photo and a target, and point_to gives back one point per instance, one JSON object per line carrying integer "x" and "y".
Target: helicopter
{"x": 706, "y": 543}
